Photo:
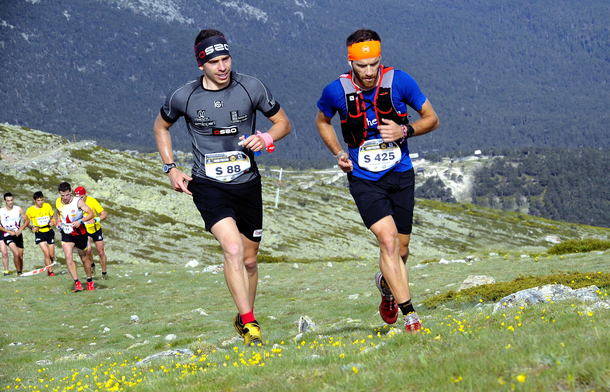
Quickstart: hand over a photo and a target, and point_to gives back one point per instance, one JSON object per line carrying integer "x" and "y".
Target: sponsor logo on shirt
{"x": 224, "y": 131}
{"x": 236, "y": 118}
{"x": 202, "y": 120}
{"x": 218, "y": 104}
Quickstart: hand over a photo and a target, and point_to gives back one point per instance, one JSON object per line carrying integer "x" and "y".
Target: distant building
{"x": 477, "y": 152}
{"x": 420, "y": 170}
{"x": 414, "y": 155}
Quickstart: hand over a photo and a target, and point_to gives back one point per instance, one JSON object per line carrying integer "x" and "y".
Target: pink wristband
{"x": 268, "y": 139}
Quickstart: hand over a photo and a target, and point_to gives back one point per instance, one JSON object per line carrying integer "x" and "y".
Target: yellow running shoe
{"x": 252, "y": 334}
{"x": 239, "y": 327}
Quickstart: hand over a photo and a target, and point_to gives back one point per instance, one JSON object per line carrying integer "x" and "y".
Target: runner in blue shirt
{"x": 372, "y": 102}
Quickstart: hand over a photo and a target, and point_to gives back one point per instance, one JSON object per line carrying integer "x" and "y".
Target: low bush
{"x": 499, "y": 290}
{"x": 579, "y": 246}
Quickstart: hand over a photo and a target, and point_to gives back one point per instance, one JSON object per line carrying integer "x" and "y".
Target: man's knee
{"x": 388, "y": 240}
{"x": 101, "y": 251}
{"x": 251, "y": 264}
{"x": 233, "y": 250}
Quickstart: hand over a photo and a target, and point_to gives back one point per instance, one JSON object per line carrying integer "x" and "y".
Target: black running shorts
{"x": 80, "y": 241}
{"x": 97, "y": 236}
{"x": 47, "y": 236}
{"x": 242, "y": 202}
{"x": 393, "y": 194}
{"x": 17, "y": 239}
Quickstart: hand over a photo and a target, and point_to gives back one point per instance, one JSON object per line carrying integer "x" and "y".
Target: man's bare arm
{"x": 280, "y": 128}
{"x": 177, "y": 178}
{"x": 428, "y": 121}
{"x": 329, "y": 137}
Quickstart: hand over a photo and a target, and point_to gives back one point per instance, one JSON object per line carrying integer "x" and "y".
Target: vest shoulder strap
{"x": 387, "y": 77}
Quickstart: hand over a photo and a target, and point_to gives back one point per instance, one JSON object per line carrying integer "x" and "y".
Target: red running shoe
{"x": 90, "y": 286}
{"x": 388, "y": 308}
{"x": 78, "y": 286}
{"x": 50, "y": 273}
{"x": 412, "y": 323}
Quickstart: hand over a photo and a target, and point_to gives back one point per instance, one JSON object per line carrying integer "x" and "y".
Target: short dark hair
{"x": 207, "y": 33}
{"x": 7, "y": 194}
{"x": 64, "y": 186}
{"x": 37, "y": 195}
{"x": 362, "y": 35}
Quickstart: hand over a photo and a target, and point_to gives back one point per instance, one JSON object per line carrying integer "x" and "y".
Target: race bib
{"x": 67, "y": 228}
{"x": 43, "y": 220}
{"x": 376, "y": 155}
{"x": 226, "y": 166}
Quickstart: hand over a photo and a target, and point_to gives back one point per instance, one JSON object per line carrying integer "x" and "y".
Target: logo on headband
{"x": 213, "y": 48}
{"x": 366, "y": 49}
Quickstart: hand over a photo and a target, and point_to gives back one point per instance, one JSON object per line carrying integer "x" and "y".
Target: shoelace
{"x": 388, "y": 303}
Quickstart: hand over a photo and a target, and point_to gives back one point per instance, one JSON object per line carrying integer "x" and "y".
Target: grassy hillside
{"x": 320, "y": 263}
{"x": 316, "y": 218}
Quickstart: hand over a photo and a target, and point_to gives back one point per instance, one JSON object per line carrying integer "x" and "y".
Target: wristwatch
{"x": 168, "y": 166}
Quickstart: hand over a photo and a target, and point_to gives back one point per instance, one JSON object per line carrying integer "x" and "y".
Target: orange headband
{"x": 364, "y": 50}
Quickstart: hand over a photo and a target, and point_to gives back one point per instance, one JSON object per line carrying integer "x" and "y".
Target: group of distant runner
{"x": 78, "y": 217}
{"x": 220, "y": 107}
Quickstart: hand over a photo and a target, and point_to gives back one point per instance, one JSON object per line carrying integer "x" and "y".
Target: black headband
{"x": 211, "y": 47}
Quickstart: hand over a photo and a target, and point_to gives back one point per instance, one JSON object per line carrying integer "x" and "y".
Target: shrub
{"x": 496, "y": 291}
{"x": 579, "y": 246}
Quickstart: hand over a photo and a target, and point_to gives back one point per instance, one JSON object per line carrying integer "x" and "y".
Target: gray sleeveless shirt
{"x": 215, "y": 119}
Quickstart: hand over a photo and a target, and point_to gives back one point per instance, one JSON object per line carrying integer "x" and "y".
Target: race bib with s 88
{"x": 226, "y": 166}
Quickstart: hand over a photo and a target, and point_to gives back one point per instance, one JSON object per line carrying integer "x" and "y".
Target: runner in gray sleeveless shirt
{"x": 216, "y": 119}
{"x": 220, "y": 113}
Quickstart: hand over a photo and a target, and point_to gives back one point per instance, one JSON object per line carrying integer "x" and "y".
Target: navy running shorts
{"x": 393, "y": 194}
{"x": 81, "y": 241}
{"x": 97, "y": 236}
{"x": 47, "y": 236}
{"x": 17, "y": 239}
{"x": 242, "y": 202}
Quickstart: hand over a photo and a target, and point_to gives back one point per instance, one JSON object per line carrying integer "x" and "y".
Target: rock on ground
{"x": 306, "y": 324}
{"x": 476, "y": 280}
{"x": 547, "y": 293}
{"x": 176, "y": 353}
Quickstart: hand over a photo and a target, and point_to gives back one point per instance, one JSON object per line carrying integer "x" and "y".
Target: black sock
{"x": 104, "y": 272}
{"x": 76, "y": 280}
{"x": 406, "y": 307}
{"x": 384, "y": 284}
{"x": 89, "y": 279}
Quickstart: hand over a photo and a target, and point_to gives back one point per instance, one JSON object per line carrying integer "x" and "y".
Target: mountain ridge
{"x": 516, "y": 75}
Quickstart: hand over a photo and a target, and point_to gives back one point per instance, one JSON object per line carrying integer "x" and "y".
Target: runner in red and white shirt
{"x": 71, "y": 213}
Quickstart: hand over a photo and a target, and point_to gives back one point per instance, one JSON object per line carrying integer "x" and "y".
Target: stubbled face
{"x": 66, "y": 196}
{"x": 39, "y": 202}
{"x": 366, "y": 71}
{"x": 10, "y": 202}
{"x": 218, "y": 70}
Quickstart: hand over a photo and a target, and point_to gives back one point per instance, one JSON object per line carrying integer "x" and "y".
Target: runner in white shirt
{"x": 12, "y": 223}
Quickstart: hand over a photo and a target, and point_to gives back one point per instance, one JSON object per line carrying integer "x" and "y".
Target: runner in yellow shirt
{"x": 41, "y": 221}
{"x": 94, "y": 228}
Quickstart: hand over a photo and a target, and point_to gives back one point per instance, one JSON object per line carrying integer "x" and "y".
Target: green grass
{"x": 265, "y": 257}
{"x": 461, "y": 349}
{"x": 579, "y": 246}
{"x": 85, "y": 154}
{"x": 496, "y": 291}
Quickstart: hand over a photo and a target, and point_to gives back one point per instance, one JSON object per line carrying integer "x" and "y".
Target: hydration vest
{"x": 355, "y": 127}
